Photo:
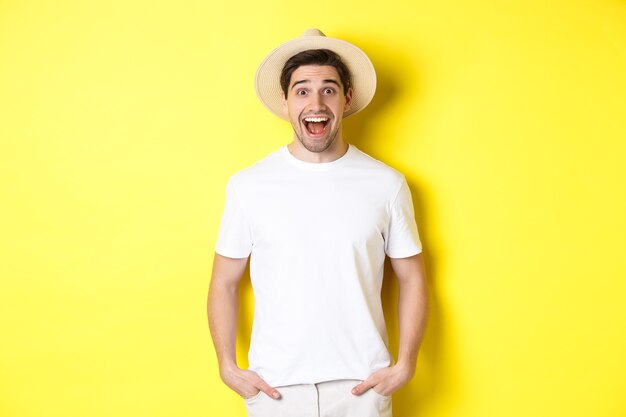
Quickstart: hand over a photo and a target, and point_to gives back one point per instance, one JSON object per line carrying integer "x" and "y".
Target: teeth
{"x": 316, "y": 119}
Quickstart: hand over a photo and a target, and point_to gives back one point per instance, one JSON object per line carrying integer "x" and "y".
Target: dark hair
{"x": 315, "y": 57}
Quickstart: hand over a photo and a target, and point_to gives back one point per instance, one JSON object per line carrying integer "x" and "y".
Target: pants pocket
{"x": 249, "y": 400}
{"x": 386, "y": 397}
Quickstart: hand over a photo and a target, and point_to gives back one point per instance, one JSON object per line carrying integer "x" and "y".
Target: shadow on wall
{"x": 389, "y": 67}
{"x": 413, "y": 399}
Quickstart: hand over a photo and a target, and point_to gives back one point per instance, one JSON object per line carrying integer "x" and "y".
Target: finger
{"x": 362, "y": 387}
{"x": 265, "y": 387}
{"x": 246, "y": 395}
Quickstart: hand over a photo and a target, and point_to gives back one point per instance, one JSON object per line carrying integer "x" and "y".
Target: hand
{"x": 385, "y": 381}
{"x": 246, "y": 383}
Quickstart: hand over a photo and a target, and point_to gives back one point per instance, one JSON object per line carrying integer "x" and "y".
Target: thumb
{"x": 266, "y": 388}
{"x": 362, "y": 387}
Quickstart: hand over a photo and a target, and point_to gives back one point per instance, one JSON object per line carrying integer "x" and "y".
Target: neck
{"x": 335, "y": 151}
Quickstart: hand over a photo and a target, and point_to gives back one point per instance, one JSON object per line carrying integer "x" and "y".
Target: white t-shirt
{"x": 317, "y": 234}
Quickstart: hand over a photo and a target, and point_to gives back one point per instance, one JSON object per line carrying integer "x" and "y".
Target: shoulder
{"x": 376, "y": 168}
{"x": 257, "y": 172}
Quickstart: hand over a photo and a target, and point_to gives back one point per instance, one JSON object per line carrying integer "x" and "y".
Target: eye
{"x": 301, "y": 93}
{"x": 328, "y": 90}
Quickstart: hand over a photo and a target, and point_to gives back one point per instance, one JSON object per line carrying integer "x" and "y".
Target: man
{"x": 317, "y": 218}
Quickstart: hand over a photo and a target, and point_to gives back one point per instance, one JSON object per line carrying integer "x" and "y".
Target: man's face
{"x": 315, "y": 104}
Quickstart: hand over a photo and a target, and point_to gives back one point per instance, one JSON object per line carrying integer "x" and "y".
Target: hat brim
{"x": 267, "y": 80}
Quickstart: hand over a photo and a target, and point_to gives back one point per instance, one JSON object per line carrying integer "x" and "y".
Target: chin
{"x": 317, "y": 146}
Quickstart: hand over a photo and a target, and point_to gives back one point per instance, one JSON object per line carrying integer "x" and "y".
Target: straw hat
{"x": 267, "y": 80}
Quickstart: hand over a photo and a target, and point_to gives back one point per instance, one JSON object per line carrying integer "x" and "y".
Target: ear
{"x": 348, "y": 97}
{"x": 285, "y": 106}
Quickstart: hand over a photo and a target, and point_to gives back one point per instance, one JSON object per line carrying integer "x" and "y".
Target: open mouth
{"x": 316, "y": 126}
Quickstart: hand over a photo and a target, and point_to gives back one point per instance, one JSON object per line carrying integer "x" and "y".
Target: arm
{"x": 222, "y": 311}
{"x": 412, "y": 311}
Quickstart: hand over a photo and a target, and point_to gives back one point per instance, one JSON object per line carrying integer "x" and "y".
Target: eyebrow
{"x": 328, "y": 81}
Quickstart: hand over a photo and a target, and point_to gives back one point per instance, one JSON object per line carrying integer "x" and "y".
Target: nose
{"x": 317, "y": 102}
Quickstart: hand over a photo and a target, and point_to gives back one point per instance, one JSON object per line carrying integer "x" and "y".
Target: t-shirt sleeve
{"x": 234, "y": 239}
{"x": 402, "y": 238}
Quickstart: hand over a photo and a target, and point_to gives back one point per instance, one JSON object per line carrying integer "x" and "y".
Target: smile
{"x": 316, "y": 125}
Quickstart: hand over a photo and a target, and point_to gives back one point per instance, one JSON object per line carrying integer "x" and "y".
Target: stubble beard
{"x": 319, "y": 145}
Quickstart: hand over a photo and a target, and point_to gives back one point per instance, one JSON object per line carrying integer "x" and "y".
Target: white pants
{"x": 326, "y": 399}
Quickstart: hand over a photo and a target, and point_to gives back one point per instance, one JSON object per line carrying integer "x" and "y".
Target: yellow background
{"x": 121, "y": 121}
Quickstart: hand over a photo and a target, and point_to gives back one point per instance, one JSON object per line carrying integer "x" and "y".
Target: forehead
{"x": 315, "y": 73}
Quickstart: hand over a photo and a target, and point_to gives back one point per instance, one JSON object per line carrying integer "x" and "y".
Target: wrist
{"x": 407, "y": 368}
{"x": 228, "y": 367}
